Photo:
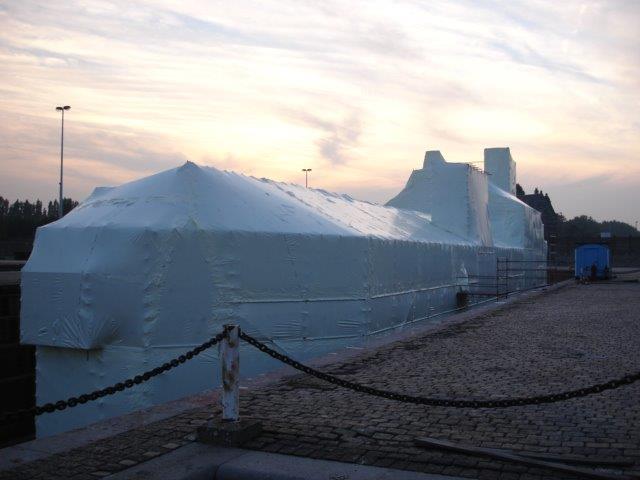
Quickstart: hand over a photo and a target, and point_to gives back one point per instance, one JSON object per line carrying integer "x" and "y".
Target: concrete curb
{"x": 199, "y": 462}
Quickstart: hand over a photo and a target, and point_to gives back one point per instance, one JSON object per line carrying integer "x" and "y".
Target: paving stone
{"x": 171, "y": 446}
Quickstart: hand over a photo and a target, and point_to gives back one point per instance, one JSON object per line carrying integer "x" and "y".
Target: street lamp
{"x": 306, "y": 177}
{"x": 61, "y": 109}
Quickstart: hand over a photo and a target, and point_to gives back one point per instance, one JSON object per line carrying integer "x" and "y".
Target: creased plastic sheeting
{"x": 302, "y": 329}
{"x": 478, "y": 215}
{"x": 61, "y": 373}
{"x": 141, "y": 273}
{"x": 499, "y": 164}
{"x": 454, "y": 195}
{"x": 129, "y": 264}
{"x": 513, "y": 222}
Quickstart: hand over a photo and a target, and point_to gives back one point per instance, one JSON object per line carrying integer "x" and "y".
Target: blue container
{"x": 589, "y": 256}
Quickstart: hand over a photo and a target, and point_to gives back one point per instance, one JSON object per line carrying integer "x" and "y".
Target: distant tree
{"x": 535, "y": 191}
{"x": 519, "y": 190}
{"x": 585, "y": 226}
{"x": 619, "y": 229}
{"x": 68, "y": 204}
{"x": 581, "y": 226}
{"x": 19, "y": 220}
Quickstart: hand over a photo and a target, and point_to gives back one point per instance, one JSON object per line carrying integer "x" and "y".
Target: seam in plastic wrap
{"x": 322, "y": 274}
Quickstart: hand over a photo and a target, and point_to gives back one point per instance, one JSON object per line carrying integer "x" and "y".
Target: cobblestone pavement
{"x": 568, "y": 338}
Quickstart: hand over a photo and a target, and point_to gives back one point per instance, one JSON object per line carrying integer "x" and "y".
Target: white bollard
{"x": 230, "y": 360}
{"x": 229, "y": 430}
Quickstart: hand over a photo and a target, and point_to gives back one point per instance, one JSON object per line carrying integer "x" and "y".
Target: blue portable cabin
{"x": 592, "y": 254}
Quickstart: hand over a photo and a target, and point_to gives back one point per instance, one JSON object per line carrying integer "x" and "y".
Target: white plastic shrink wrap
{"x": 139, "y": 273}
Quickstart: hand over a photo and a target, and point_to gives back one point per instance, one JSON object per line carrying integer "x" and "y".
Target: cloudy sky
{"x": 357, "y": 91}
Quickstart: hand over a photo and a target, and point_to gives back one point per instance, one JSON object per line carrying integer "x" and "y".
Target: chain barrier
{"x": 431, "y": 401}
{"x": 118, "y": 387}
{"x": 441, "y": 402}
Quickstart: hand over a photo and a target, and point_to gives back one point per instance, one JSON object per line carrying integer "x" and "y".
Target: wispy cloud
{"x": 342, "y": 138}
{"x": 337, "y": 138}
{"x": 526, "y": 55}
{"x": 356, "y": 90}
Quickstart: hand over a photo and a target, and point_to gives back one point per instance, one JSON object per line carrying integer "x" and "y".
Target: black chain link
{"x": 442, "y": 402}
{"x": 118, "y": 387}
{"x": 438, "y": 402}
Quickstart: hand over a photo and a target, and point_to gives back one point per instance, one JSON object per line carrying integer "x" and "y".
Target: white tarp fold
{"x": 140, "y": 273}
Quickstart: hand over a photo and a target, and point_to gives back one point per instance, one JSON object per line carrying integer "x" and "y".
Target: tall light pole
{"x": 306, "y": 177}
{"x": 61, "y": 109}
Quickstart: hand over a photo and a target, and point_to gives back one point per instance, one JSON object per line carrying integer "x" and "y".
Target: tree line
{"x": 585, "y": 226}
{"x": 19, "y": 220}
{"x": 580, "y": 227}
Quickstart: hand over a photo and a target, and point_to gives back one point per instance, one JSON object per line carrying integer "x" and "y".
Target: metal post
{"x": 497, "y": 278}
{"x": 61, "y": 200}
{"x": 506, "y": 278}
{"x": 230, "y": 361}
{"x": 230, "y": 430}
{"x": 306, "y": 177}
{"x": 60, "y": 207}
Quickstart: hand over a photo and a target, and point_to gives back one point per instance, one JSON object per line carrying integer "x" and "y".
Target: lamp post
{"x": 61, "y": 109}
{"x": 306, "y": 177}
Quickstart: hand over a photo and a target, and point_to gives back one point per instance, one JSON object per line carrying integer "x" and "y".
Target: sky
{"x": 357, "y": 91}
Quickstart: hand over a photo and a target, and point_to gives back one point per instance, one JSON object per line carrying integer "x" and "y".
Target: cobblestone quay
{"x": 567, "y": 338}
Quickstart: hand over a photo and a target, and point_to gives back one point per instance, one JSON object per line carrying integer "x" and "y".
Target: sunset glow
{"x": 357, "y": 91}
